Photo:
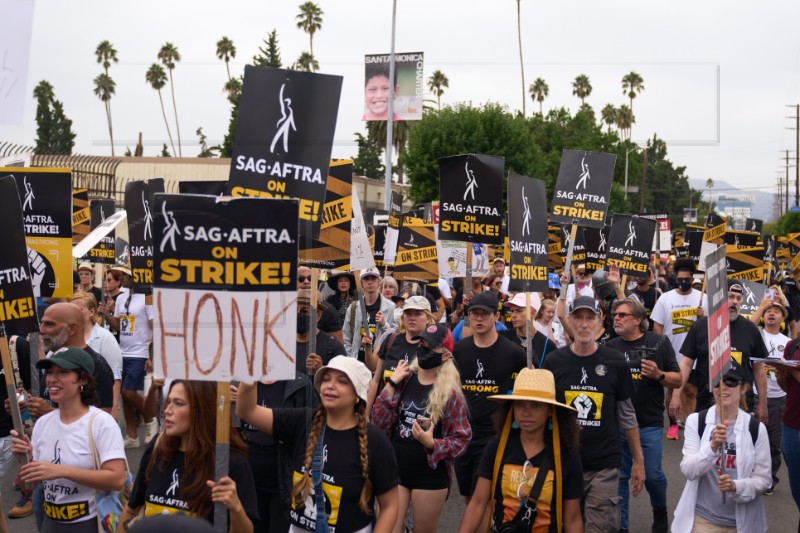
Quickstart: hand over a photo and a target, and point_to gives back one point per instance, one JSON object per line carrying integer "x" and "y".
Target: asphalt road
{"x": 781, "y": 510}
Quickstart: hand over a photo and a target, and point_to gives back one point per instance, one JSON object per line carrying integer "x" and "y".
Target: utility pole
{"x": 796, "y": 129}
{"x": 787, "y": 166}
{"x": 780, "y": 194}
{"x": 644, "y": 181}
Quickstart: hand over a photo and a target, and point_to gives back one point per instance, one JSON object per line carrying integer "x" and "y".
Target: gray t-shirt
{"x": 709, "y": 503}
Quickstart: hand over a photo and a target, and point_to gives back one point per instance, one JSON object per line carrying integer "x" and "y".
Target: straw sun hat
{"x": 534, "y": 385}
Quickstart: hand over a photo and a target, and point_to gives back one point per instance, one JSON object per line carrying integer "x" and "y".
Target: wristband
{"x": 389, "y": 381}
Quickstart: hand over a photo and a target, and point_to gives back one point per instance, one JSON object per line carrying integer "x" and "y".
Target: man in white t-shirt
{"x": 673, "y": 315}
{"x": 134, "y": 321}
{"x": 447, "y": 297}
{"x": 773, "y": 314}
{"x": 499, "y": 269}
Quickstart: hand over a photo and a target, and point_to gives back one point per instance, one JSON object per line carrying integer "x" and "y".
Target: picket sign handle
{"x": 623, "y": 283}
{"x": 222, "y": 456}
{"x": 8, "y": 370}
{"x": 529, "y": 331}
{"x": 572, "y": 234}
{"x": 312, "y": 312}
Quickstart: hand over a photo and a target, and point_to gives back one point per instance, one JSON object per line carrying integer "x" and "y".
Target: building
{"x": 736, "y": 207}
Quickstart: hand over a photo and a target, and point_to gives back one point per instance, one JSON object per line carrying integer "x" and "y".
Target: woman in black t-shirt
{"x": 177, "y": 466}
{"x": 341, "y": 448}
{"x": 537, "y": 433}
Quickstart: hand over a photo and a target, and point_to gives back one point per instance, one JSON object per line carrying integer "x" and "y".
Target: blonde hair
{"x": 89, "y": 300}
{"x": 447, "y": 383}
{"x": 540, "y": 312}
{"x": 401, "y": 327}
{"x": 779, "y": 292}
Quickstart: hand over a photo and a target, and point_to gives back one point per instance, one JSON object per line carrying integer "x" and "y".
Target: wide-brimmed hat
{"x": 780, "y": 307}
{"x": 86, "y": 265}
{"x": 333, "y": 279}
{"x": 358, "y": 374}
{"x": 122, "y": 268}
{"x": 534, "y": 385}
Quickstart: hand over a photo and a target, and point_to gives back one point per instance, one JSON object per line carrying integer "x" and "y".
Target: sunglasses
{"x": 621, "y": 315}
{"x": 301, "y": 279}
{"x": 731, "y": 382}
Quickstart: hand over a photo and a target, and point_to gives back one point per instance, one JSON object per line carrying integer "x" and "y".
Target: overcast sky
{"x": 742, "y": 58}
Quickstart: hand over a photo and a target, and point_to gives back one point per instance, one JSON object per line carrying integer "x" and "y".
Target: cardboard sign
{"x": 752, "y": 294}
{"x": 360, "y": 249}
{"x": 754, "y": 224}
{"x": 596, "y": 241}
{"x": 284, "y": 138}
{"x": 225, "y": 291}
{"x": 452, "y": 257}
{"x": 393, "y": 228}
{"x": 579, "y": 248}
{"x": 17, "y": 306}
{"x": 629, "y": 244}
{"x": 332, "y": 248}
{"x": 106, "y": 227}
{"x": 745, "y": 262}
{"x": 471, "y": 198}
{"x": 211, "y": 188}
{"x": 527, "y": 234}
{"x": 139, "y": 206}
{"x": 379, "y": 231}
{"x": 719, "y": 337}
{"x": 582, "y": 188}
{"x": 743, "y": 239}
{"x": 103, "y": 251}
{"x": 81, "y": 223}
{"x": 416, "y": 252}
{"x": 715, "y": 228}
{"x": 677, "y": 239}
{"x": 46, "y": 197}
{"x": 554, "y": 245}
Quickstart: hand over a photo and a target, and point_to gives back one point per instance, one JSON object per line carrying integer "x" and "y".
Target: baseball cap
{"x": 485, "y": 300}
{"x": 736, "y": 372}
{"x": 358, "y": 374}
{"x": 519, "y": 300}
{"x": 735, "y": 286}
{"x": 372, "y": 271}
{"x": 69, "y": 358}
{"x": 437, "y": 335}
{"x": 496, "y": 259}
{"x": 585, "y": 302}
{"x": 417, "y": 302}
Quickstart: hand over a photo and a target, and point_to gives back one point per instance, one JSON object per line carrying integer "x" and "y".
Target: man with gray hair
{"x": 652, "y": 364}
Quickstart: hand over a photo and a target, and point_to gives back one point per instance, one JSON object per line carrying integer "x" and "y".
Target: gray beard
{"x": 53, "y": 343}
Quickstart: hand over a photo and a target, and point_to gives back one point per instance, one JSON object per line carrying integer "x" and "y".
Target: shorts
{"x": 133, "y": 373}
{"x": 467, "y": 465}
{"x": 412, "y": 463}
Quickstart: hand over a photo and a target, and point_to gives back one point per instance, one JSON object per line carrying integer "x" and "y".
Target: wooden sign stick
{"x": 468, "y": 282}
{"x": 529, "y": 331}
{"x": 11, "y": 388}
{"x": 572, "y": 234}
{"x": 222, "y": 455}
{"x": 312, "y": 327}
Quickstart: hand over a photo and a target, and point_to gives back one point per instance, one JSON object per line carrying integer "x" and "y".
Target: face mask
{"x": 303, "y": 322}
{"x": 685, "y": 286}
{"x": 428, "y": 359}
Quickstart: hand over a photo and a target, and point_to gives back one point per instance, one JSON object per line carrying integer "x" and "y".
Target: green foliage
{"x": 226, "y": 150}
{"x": 165, "y": 151}
{"x": 368, "y": 161}
{"x": 789, "y": 223}
{"x": 271, "y": 55}
{"x": 205, "y": 150}
{"x": 54, "y": 134}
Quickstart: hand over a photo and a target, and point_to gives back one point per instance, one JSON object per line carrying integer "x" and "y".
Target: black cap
{"x": 585, "y": 302}
{"x": 736, "y": 372}
{"x": 69, "y": 358}
{"x": 436, "y": 335}
{"x": 734, "y": 285}
{"x": 485, "y": 300}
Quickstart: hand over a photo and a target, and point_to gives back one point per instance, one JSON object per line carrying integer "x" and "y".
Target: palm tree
{"x": 157, "y": 79}
{"x": 307, "y": 62}
{"x": 376, "y": 129}
{"x": 436, "y": 83}
{"x": 234, "y": 88}
{"x": 310, "y": 21}
{"x": 609, "y": 115}
{"x": 104, "y": 88}
{"x": 169, "y": 55}
{"x": 106, "y": 54}
{"x": 521, "y": 65}
{"x": 625, "y": 120}
{"x": 226, "y": 51}
{"x": 632, "y": 84}
{"x": 582, "y": 88}
{"x": 539, "y": 91}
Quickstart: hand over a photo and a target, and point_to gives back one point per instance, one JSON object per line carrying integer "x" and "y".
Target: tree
{"x": 157, "y": 78}
{"x": 581, "y": 87}
{"x": 310, "y": 21}
{"x": 165, "y": 151}
{"x": 205, "y": 150}
{"x": 609, "y": 115}
{"x": 400, "y": 132}
{"x": 104, "y": 87}
{"x": 632, "y": 83}
{"x": 368, "y": 161}
{"x": 306, "y": 62}
{"x": 228, "y": 141}
{"x": 54, "y": 134}
{"x": 226, "y": 51}
{"x": 169, "y": 55}
{"x": 233, "y": 88}
{"x": 436, "y": 83}
{"x": 539, "y": 91}
{"x": 271, "y": 56}
{"x": 521, "y": 64}
{"x": 625, "y": 120}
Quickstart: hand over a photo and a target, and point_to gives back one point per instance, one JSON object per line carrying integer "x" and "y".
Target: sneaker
{"x": 131, "y": 442}
{"x": 660, "y": 520}
{"x": 770, "y": 491}
{"x": 672, "y": 433}
{"x": 150, "y": 429}
{"x": 23, "y": 508}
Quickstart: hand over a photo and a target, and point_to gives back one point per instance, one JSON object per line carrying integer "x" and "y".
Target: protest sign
{"x": 332, "y": 248}
{"x": 416, "y": 251}
{"x": 582, "y": 188}
{"x": 752, "y": 294}
{"x": 527, "y": 234}
{"x": 360, "y": 250}
{"x": 629, "y": 244}
{"x": 212, "y": 188}
{"x": 408, "y": 89}
{"x": 379, "y": 231}
{"x": 393, "y": 228}
{"x": 452, "y": 257}
{"x": 81, "y": 223}
{"x": 715, "y": 228}
{"x": 754, "y": 224}
{"x": 103, "y": 251}
{"x": 139, "y": 206}
{"x": 677, "y": 239}
{"x": 744, "y": 239}
{"x": 745, "y": 262}
{"x": 719, "y": 340}
{"x": 225, "y": 291}
{"x": 46, "y": 197}
{"x": 17, "y": 307}
{"x": 596, "y": 242}
{"x": 662, "y": 240}
{"x": 284, "y": 137}
{"x": 555, "y": 262}
{"x": 471, "y": 198}
{"x": 578, "y": 247}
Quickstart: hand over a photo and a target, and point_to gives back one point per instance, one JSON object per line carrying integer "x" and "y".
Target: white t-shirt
{"x": 135, "y": 333}
{"x": 677, "y": 313}
{"x": 68, "y": 444}
{"x": 444, "y": 288}
{"x": 103, "y": 342}
{"x": 775, "y": 344}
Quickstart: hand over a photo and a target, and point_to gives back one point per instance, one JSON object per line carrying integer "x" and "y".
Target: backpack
{"x": 701, "y": 425}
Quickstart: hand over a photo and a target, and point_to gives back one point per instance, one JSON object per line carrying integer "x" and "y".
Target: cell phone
{"x": 769, "y": 293}
{"x": 424, "y": 423}
{"x": 554, "y": 281}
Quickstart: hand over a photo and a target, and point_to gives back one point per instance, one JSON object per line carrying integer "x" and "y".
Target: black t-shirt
{"x": 647, "y": 299}
{"x": 541, "y": 344}
{"x": 372, "y": 311}
{"x": 593, "y": 384}
{"x": 485, "y": 372}
{"x": 648, "y": 394}
{"x": 400, "y": 349}
{"x": 103, "y": 376}
{"x": 330, "y": 322}
{"x": 161, "y": 492}
{"x": 413, "y": 405}
{"x": 262, "y": 450}
{"x": 510, "y": 479}
{"x": 327, "y": 349}
{"x": 746, "y": 342}
{"x": 342, "y": 481}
